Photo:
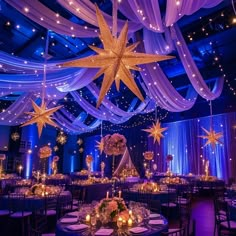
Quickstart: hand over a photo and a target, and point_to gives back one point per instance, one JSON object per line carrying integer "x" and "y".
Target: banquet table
{"x": 32, "y": 203}
{"x": 162, "y": 196}
{"x": 203, "y": 184}
{"x": 78, "y": 175}
{"x": 63, "y": 180}
{"x": 92, "y": 191}
{"x": 155, "y": 230}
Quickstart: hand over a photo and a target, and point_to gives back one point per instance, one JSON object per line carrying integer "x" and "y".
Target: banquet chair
{"x": 39, "y": 225}
{"x": 223, "y": 222}
{"x": 154, "y": 206}
{"x": 175, "y": 232}
{"x": 18, "y": 213}
{"x": 171, "y": 205}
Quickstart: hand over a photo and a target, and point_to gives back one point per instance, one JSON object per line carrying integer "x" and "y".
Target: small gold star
{"x": 41, "y": 116}
{"x": 115, "y": 60}
{"x": 80, "y": 141}
{"x": 100, "y": 146}
{"x": 212, "y": 137}
{"x": 156, "y": 131}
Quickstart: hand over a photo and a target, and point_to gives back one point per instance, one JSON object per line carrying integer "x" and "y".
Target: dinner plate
{"x": 138, "y": 230}
{"x": 104, "y": 232}
{"x": 68, "y": 220}
{"x": 156, "y": 222}
{"x": 77, "y": 227}
{"x": 154, "y": 215}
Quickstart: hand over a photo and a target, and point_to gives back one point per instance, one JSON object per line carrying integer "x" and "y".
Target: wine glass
{"x": 93, "y": 220}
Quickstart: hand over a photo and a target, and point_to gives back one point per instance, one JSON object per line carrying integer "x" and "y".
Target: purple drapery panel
{"x": 85, "y": 10}
{"x": 13, "y": 114}
{"x": 116, "y": 110}
{"x": 191, "y": 69}
{"x": 162, "y": 91}
{"x": 135, "y": 10}
{"x": 186, "y": 7}
{"x": 157, "y": 43}
{"x": 73, "y": 125}
{"x": 147, "y": 12}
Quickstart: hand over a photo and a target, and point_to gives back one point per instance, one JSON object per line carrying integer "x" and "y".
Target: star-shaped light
{"x": 156, "y": 131}
{"x": 212, "y": 137}
{"x": 61, "y": 138}
{"x": 41, "y": 116}
{"x": 15, "y": 136}
{"x": 115, "y": 60}
{"x": 100, "y": 146}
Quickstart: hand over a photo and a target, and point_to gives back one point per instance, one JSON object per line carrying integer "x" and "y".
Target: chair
{"x": 223, "y": 223}
{"x": 154, "y": 205}
{"x": 17, "y": 207}
{"x": 175, "y": 232}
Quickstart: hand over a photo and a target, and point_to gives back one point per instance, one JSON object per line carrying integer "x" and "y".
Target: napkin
{"x": 77, "y": 227}
{"x": 68, "y": 220}
{"x": 156, "y": 222}
{"x": 75, "y": 213}
{"x": 104, "y": 232}
{"x": 154, "y": 215}
{"x": 137, "y": 230}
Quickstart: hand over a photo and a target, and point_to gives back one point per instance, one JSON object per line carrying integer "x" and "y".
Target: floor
{"x": 203, "y": 212}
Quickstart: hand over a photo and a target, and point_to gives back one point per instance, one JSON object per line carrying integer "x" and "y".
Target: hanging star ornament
{"x": 100, "y": 146}
{"x": 212, "y": 137}
{"x": 115, "y": 60}
{"x": 41, "y": 116}
{"x": 156, "y": 131}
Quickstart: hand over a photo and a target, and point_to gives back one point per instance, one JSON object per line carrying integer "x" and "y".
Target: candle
{"x": 130, "y": 222}
{"x": 107, "y": 195}
{"x": 119, "y": 194}
{"x": 130, "y": 212}
{"x": 87, "y": 219}
{"x": 119, "y": 222}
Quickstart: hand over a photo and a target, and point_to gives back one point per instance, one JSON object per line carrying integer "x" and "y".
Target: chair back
{"x": 176, "y": 232}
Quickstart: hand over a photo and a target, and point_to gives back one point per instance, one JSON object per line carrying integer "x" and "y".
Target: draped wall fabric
{"x": 181, "y": 140}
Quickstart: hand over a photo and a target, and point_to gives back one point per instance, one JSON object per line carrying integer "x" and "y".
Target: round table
{"x": 61, "y": 229}
{"x": 32, "y": 203}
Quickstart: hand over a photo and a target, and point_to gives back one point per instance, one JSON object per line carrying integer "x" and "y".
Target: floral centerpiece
{"x": 42, "y": 190}
{"x": 45, "y": 152}
{"x": 110, "y": 208}
{"x": 114, "y": 144}
{"x": 173, "y": 180}
{"x": 149, "y": 187}
{"x": 148, "y": 155}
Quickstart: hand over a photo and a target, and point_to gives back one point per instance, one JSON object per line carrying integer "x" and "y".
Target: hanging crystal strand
{"x": 114, "y": 33}
{"x": 45, "y": 68}
{"x": 211, "y": 118}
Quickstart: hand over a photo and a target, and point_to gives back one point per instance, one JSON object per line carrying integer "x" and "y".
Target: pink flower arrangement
{"x": 148, "y": 155}
{"x": 89, "y": 159}
{"x": 56, "y": 158}
{"x": 110, "y": 208}
{"x": 45, "y": 152}
{"x": 169, "y": 158}
{"x": 114, "y": 144}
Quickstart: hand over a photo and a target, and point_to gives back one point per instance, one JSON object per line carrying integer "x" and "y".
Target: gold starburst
{"x": 156, "y": 131}
{"x": 115, "y": 60}
{"x": 80, "y": 141}
{"x": 212, "y": 137}
{"x": 61, "y": 138}
{"x": 100, "y": 146}
{"x": 41, "y": 116}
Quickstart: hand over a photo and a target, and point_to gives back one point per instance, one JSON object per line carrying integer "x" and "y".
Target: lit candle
{"x": 130, "y": 212}
{"x": 119, "y": 194}
{"x": 130, "y": 222}
{"x": 107, "y": 194}
{"x": 87, "y": 219}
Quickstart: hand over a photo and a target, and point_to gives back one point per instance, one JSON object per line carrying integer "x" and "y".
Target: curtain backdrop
{"x": 183, "y": 142}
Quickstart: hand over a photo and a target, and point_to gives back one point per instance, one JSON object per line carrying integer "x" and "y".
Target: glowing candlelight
{"x": 87, "y": 219}
{"x": 107, "y": 195}
{"x": 130, "y": 222}
{"x": 119, "y": 194}
{"x": 130, "y": 212}
{"x": 20, "y": 169}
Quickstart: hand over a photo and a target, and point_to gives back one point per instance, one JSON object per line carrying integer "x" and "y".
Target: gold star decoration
{"x": 100, "y": 146}
{"x": 156, "y": 131}
{"x": 61, "y": 138}
{"x": 15, "y": 136}
{"x": 55, "y": 148}
{"x": 41, "y": 116}
{"x": 212, "y": 137}
{"x": 115, "y": 60}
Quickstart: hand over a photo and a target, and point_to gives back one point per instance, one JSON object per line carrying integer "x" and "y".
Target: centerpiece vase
{"x": 113, "y": 177}
{"x": 1, "y": 169}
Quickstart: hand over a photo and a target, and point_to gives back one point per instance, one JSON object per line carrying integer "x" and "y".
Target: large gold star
{"x": 41, "y": 116}
{"x": 156, "y": 131}
{"x": 212, "y": 137}
{"x": 115, "y": 60}
{"x": 100, "y": 146}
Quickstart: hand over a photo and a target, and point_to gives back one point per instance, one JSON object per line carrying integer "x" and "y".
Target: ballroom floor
{"x": 203, "y": 213}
